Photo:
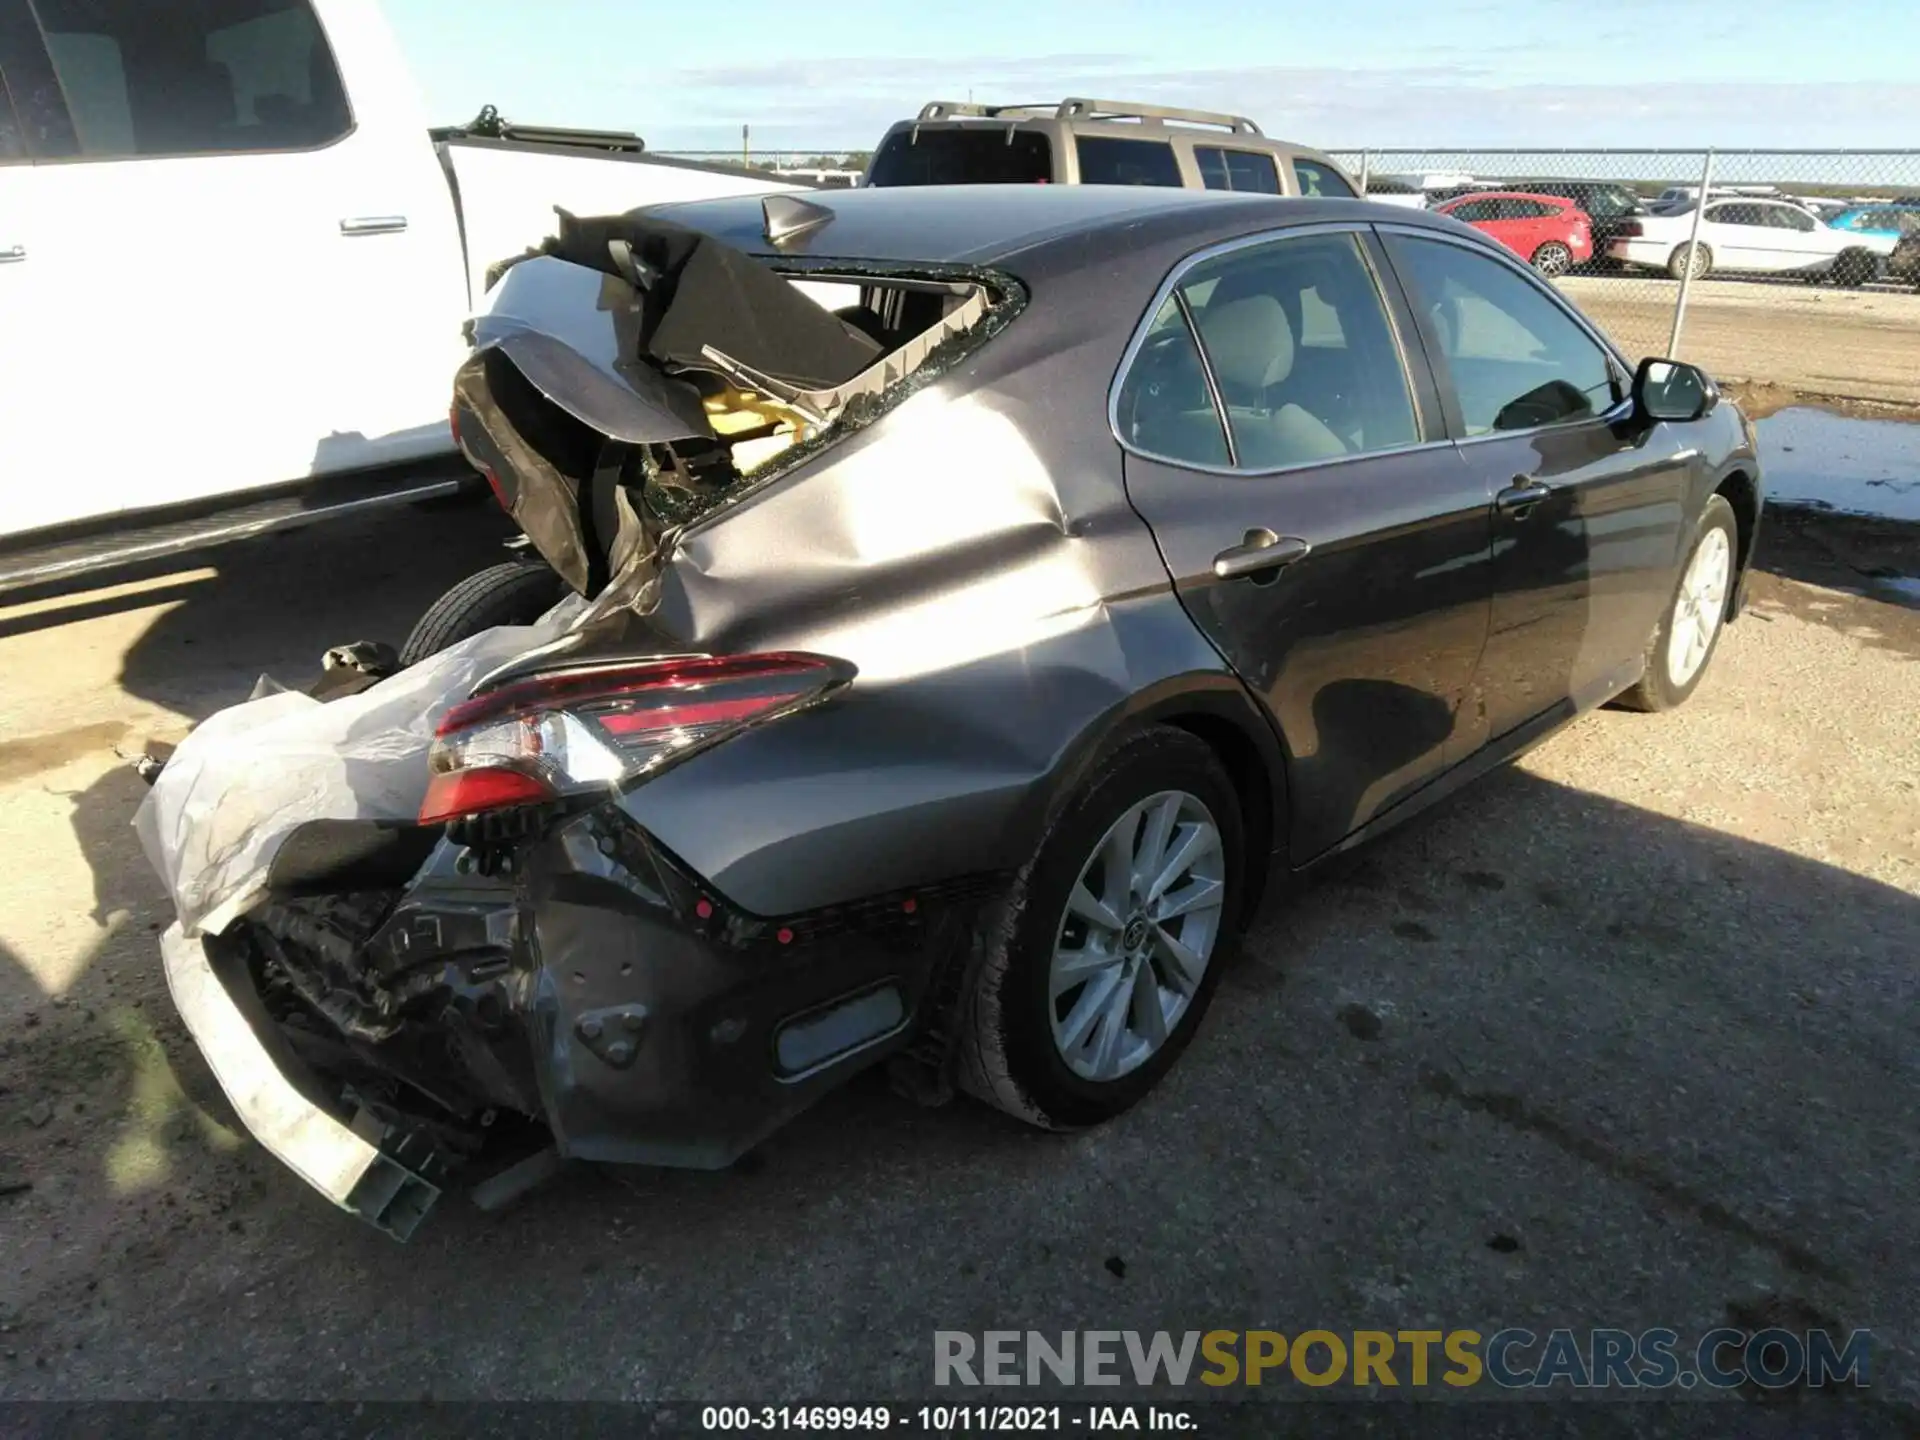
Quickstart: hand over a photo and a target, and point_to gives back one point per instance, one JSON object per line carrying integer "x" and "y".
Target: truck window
{"x": 1126, "y": 162}
{"x": 196, "y": 78}
{"x": 1318, "y": 179}
{"x": 959, "y": 156}
{"x": 35, "y": 124}
{"x": 1237, "y": 170}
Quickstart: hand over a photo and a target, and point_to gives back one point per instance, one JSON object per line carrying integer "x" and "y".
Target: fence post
{"x": 1693, "y": 244}
{"x": 1366, "y": 167}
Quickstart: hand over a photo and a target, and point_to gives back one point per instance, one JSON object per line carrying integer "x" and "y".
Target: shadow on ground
{"x": 1542, "y": 1059}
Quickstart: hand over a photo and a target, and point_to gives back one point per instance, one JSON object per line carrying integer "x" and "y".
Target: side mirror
{"x": 1671, "y": 390}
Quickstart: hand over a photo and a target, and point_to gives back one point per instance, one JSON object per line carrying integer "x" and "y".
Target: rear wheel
{"x": 1553, "y": 259}
{"x": 1696, "y": 260}
{"x": 1684, "y": 640}
{"x": 1105, "y": 953}
{"x": 515, "y": 592}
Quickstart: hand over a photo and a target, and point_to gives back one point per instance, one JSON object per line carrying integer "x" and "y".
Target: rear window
{"x": 1106, "y": 161}
{"x": 962, "y": 156}
{"x": 1237, "y": 170}
{"x": 1317, "y": 179}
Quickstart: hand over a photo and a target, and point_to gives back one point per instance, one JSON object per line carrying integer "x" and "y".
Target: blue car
{"x": 1893, "y": 219}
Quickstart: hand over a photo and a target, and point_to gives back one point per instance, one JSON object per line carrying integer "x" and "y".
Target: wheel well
{"x": 1738, "y": 491}
{"x": 1251, "y": 784}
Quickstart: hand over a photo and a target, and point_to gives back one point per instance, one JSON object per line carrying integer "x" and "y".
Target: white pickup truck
{"x": 235, "y": 265}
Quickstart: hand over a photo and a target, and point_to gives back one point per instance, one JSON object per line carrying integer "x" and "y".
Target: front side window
{"x": 35, "y": 124}
{"x": 963, "y": 156}
{"x": 1298, "y": 342}
{"x": 1474, "y": 210}
{"x": 194, "y": 78}
{"x": 1106, "y": 161}
{"x": 1318, "y": 179}
{"x": 1237, "y": 170}
{"x": 1517, "y": 358}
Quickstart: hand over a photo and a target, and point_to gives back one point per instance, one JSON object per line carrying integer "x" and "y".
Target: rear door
{"x": 1587, "y": 511}
{"x": 1735, "y": 232}
{"x": 258, "y": 280}
{"x": 1285, "y": 446}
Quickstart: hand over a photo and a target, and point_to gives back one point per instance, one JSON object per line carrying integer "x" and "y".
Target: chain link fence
{"x": 1790, "y": 276}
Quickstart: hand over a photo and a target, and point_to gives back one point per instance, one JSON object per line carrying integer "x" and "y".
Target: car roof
{"x": 1503, "y": 195}
{"x": 984, "y": 224}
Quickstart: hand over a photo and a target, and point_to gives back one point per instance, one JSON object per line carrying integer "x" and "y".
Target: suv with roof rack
{"x": 1098, "y": 142}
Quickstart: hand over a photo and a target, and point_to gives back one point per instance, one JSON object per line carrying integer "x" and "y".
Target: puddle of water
{"x": 1863, "y": 467}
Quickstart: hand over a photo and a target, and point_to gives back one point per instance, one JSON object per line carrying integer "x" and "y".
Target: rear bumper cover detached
{"x": 278, "y": 1101}
{"x": 604, "y": 991}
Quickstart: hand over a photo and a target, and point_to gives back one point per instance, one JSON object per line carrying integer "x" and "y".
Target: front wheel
{"x": 1855, "y": 268}
{"x": 1104, "y": 955}
{"x": 514, "y": 592}
{"x": 1553, "y": 259}
{"x": 1684, "y": 640}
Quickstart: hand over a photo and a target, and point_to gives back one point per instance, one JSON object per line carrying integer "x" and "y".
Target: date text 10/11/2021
{"x": 945, "y": 1419}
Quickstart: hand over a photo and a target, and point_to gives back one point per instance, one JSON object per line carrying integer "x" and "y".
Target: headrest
{"x": 1248, "y": 340}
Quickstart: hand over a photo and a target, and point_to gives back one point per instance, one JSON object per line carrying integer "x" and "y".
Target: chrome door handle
{"x": 1520, "y": 497}
{"x": 12, "y": 254}
{"x": 1260, "y": 552}
{"x": 374, "y": 225}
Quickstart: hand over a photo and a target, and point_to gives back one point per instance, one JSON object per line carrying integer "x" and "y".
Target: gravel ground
{"x": 1814, "y": 339}
{"x": 1621, "y": 1036}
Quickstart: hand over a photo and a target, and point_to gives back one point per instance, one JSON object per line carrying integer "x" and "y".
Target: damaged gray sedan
{"x": 953, "y": 609}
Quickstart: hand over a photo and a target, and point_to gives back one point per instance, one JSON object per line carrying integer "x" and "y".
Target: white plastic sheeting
{"x": 251, "y": 774}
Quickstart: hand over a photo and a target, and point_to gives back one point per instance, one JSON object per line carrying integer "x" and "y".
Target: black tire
{"x": 1702, "y": 263}
{"x": 1855, "y": 268}
{"x": 515, "y": 592}
{"x": 1007, "y": 1054}
{"x": 1552, "y": 259}
{"x": 1656, "y": 689}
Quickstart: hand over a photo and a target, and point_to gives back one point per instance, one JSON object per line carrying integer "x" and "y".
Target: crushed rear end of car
{"x": 419, "y": 932}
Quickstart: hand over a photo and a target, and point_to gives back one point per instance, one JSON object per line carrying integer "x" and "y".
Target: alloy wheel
{"x": 1140, "y": 927}
{"x": 1699, "y": 607}
{"x": 1553, "y": 260}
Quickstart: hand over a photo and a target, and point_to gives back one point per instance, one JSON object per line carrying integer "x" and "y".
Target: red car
{"x": 1550, "y": 234}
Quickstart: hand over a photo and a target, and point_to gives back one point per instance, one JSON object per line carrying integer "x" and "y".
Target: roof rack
{"x": 489, "y": 124}
{"x": 1079, "y": 108}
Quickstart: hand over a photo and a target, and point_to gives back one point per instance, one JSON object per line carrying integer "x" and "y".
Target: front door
{"x": 1587, "y": 508}
{"x": 250, "y": 282}
{"x": 1321, "y": 532}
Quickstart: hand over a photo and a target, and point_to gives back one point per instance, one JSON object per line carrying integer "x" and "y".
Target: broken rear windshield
{"x": 974, "y": 156}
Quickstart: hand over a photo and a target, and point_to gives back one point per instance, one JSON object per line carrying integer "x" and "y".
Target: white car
{"x": 1766, "y": 237}
{"x": 233, "y": 259}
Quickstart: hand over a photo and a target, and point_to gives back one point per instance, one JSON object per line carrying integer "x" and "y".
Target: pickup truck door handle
{"x": 1260, "y": 553}
{"x": 12, "y": 254}
{"x": 374, "y": 225}
{"x": 1519, "y": 498}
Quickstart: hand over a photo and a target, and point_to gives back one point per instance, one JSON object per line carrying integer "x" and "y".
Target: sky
{"x": 1338, "y": 74}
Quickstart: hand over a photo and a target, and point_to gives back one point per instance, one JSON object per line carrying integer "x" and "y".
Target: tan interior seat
{"x": 1250, "y": 344}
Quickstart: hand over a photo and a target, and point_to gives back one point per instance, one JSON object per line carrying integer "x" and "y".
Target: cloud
{"x": 1477, "y": 99}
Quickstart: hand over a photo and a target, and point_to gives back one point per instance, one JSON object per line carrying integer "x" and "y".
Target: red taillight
{"x": 1631, "y": 230}
{"x": 577, "y": 731}
{"x": 469, "y": 792}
